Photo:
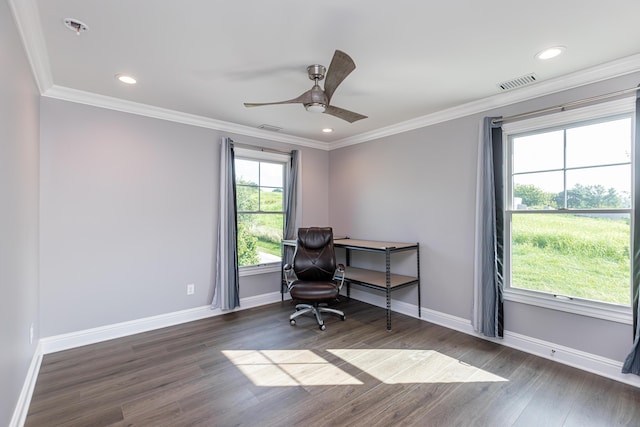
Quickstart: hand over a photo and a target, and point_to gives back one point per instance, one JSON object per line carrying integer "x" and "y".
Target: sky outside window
{"x": 606, "y": 143}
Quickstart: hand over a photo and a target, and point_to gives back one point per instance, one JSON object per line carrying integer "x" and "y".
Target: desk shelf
{"x": 377, "y": 279}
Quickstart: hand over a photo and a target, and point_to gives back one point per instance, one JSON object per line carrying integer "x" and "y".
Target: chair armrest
{"x": 288, "y": 273}
{"x": 341, "y": 271}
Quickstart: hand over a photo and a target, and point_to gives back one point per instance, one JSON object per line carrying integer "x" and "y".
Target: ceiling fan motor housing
{"x": 318, "y": 100}
{"x": 318, "y": 96}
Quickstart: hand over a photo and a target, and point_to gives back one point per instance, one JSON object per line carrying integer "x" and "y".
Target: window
{"x": 568, "y": 207}
{"x": 260, "y": 192}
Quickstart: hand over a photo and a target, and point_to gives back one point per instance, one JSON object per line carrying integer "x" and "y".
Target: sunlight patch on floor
{"x": 401, "y": 366}
{"x": 290, "y": 368}
{"x": 277, "y": 368}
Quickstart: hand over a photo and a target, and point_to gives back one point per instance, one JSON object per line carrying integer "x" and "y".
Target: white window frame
{"x": 264, "y": 156}
{"x": 596, "y": 309}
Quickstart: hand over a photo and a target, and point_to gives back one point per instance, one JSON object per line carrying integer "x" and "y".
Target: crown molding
{"x": 117, "y": 104}
{"x": 27, "y": 19}
{"x": 592, "y": 75}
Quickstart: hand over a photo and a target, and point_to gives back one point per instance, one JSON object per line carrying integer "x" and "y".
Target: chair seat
{"x": 313, "y": 291}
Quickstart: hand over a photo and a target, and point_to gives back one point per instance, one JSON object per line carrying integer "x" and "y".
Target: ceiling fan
{"x": 318, "y": 100}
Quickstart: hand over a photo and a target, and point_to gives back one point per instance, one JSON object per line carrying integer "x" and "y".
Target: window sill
{"x": 610, "y": 312}
{"x": 253, "y": 270}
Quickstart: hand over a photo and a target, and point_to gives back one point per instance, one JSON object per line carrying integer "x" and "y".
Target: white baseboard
{"x": 103, "y": 333}
{"x": 595, "y": 364}
{"x": 569, "y": 356}
{"x": 22, "y": 406}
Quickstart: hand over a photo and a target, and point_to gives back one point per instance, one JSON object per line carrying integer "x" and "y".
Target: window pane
{"x": 271, "y": 199}
{"x": 272, "y": 175}
{"x": 247, "y": 171}
{"x": 538, "y": 190}
{"x": 259, "y": 188}
{"x": 259, "y": 238}
{"x": 604, "y": 187}
{"x": 599, "y": 144}
{"x": 543, "y": 151}
{"x": 246, "y": 198}
{"x": 572, "y": 255}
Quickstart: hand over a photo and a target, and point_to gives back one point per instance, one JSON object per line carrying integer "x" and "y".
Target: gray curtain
{"x": 488, "y": 313}
{"x": 291, "y": 206}
{"x": 631, "y": 364}
{"x": 226, "y": 293}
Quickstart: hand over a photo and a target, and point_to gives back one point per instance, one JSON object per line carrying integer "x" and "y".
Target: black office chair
{"x": 314, "y": 266}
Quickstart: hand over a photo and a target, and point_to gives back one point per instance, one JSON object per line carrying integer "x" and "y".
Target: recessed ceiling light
{"x": 551, "y": 52}
{"x": 327, "y": 130}
{"x": 124, "y": 78}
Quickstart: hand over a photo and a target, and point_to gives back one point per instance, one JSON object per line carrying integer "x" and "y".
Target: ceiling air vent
{"x": 270, "y": 127}
{"x": 518, "y": 82}
{"x": 75, "y": 25}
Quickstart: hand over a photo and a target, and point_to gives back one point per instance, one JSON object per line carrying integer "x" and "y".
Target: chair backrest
{"x": 314, "y": 258}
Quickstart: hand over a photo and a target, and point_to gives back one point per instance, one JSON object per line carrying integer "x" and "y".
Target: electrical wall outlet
{"x": 191, "y": 289}
{"x": 31, "y": 333}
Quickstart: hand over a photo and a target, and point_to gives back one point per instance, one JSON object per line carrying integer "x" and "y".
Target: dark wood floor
{"x": 252, "y": 368}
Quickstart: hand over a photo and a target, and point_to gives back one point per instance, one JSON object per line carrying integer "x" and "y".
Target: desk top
{"x": 363, "y": 244}
{"x": 371, "y": 244}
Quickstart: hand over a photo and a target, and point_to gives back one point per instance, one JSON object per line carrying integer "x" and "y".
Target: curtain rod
{"x": 563, "y": 107}
{"x": 253, "y": 147}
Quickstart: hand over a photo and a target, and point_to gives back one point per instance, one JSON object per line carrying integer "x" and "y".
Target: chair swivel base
{"x": 316, "y": 310}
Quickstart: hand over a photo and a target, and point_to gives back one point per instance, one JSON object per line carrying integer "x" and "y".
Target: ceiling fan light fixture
{"x": 315, "y": 107}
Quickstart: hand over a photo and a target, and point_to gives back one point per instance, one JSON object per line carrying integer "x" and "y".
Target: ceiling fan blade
{"x": 343, "y": 114}
{"x": 341, "y": 66}
{"x": 305, "y": 98}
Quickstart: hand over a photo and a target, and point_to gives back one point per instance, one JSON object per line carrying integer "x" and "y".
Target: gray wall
{"x": 420, "y": 186}
{"x": 19, "y": 116}
{"x": 129, "y": 212}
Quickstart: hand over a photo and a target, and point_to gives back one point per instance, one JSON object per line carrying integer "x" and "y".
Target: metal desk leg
{"x": 418, "y": 271}
{"x": 347, "y": 257}
{"x": 388, "y": 290}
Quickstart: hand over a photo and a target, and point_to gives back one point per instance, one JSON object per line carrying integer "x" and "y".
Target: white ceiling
{"x": 203, "y": 58}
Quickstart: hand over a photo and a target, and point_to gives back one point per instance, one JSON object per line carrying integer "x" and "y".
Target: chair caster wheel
{"x": 293, "y": 322}
{"x": 323, "y": 327}
{"x": 342, "y": 318}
